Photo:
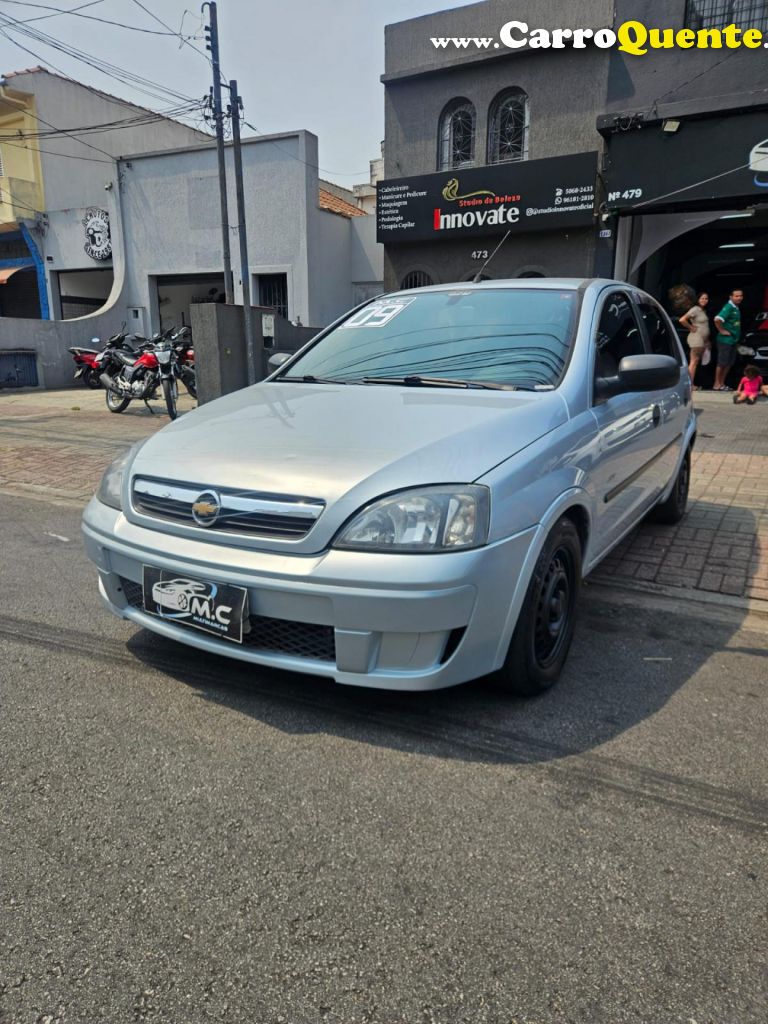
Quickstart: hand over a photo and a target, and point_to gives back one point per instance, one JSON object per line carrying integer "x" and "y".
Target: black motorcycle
{"x": 130, "y": 375}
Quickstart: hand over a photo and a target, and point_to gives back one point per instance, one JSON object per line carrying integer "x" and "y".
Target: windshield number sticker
{"x": 378, "y": 314}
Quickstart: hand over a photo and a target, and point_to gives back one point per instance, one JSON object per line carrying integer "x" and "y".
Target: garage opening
{"x": 714, "y": 251}
{"x": 177, "y": 292}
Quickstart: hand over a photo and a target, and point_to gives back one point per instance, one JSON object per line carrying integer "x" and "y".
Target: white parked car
{"x": 412, "y": 500}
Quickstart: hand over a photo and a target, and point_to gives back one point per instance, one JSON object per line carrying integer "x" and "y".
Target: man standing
{"x": 728, "y": 324}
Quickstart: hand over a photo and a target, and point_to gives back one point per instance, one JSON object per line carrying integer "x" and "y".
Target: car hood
{"x": 329, "y": 441}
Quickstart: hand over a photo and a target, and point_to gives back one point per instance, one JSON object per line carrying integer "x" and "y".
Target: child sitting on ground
{"x": 750, "y": 387}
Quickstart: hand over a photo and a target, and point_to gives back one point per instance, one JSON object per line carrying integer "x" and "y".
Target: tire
{"x": 188, "y": 380}
{"x": 672, "y": 510}
{"x": 91, "y": 380}
{"x": 115, "y": 403}
{"x": 169, "y": 394}
{"x": 545, "y": 626}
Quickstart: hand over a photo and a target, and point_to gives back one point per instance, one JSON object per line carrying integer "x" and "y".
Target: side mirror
{"x": 276, "y": 361}
{"x": 640, "y": 373}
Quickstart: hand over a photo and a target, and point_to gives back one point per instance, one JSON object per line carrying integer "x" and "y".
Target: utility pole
{"x": 245, "y": 274}
{"x": 212, "y": 44}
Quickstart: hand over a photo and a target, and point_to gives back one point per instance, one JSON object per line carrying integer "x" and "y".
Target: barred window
{"x": 457, "y": 135}
{"x": 416, "y": 279}
{"x": 273, "y": 291}
{"x": 508, "y": 127}
{"x": 719, "y": 13}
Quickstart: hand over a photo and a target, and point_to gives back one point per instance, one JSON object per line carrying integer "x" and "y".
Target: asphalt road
{"x": 185, "y": 839}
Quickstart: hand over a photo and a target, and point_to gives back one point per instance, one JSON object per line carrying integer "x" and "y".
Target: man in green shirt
{"x": 728, "y": 324}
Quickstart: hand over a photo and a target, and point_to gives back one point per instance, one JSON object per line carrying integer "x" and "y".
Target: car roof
{"x": 518, "y": 283}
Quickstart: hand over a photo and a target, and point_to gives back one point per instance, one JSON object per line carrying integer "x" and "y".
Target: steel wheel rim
{"x": 554, "y": 609}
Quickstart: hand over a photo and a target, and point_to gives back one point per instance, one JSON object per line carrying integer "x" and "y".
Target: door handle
{"x": 656, "y": 415}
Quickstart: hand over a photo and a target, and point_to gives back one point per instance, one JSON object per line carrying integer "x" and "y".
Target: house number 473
{"x": 480, "y": 254}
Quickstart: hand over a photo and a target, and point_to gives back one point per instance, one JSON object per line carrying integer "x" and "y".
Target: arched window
{"x": 456, "y": 143}
{"x": 508, "y": 127}
{"x": 416, "y": 279}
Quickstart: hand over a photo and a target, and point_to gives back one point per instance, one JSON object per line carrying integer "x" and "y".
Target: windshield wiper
{"x": 307, "y": 378}
{"x": 436, "y": 382}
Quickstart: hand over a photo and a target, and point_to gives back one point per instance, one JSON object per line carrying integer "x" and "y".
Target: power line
{"x": 91, "y": 17}
{"x": 42, "y": 17}
{"x": 687, "y": 188}
{"x": 18, "y": 202}
{"x": 171, "y": 32}
{"x": 156, "y": 90}
{"x": 50, "y": 152}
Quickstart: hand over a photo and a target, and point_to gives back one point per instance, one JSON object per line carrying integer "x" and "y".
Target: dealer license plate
{"x": 215, "y": 608}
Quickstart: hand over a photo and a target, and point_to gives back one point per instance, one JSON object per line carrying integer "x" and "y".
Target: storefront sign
{"x": 533, "y": 195}
{"x": 98, "y": 244}
{"x": 717, "y": 158}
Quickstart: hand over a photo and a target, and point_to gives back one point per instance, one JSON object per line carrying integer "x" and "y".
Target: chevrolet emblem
{"x": 206, "y": 508}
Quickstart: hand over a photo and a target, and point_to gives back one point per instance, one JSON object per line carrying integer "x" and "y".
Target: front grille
{"x": 227, "y": 510}
{"x": 278, "y": 636}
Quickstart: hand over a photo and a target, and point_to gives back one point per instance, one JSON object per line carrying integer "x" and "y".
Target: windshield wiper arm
{"x": 437, "y": 382}
{"x": 307, "y": 378}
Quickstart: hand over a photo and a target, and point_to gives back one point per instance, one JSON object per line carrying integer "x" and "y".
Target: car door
{"x": 623, "y": 483}
{"x": 674, "y": 404}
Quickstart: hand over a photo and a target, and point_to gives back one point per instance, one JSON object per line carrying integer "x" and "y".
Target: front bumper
{"x": 401, "y": 622}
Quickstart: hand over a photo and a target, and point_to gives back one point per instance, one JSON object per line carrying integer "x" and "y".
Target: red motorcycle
{"x": 87, "y": 362}
{"x": 129, "y": 375}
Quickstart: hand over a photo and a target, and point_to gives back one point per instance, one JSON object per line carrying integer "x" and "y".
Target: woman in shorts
{"x": 696, "y": 323}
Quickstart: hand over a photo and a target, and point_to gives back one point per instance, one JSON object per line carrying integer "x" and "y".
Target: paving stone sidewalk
{"x": 57, "y": 444}
{"x": 721, "y": 545}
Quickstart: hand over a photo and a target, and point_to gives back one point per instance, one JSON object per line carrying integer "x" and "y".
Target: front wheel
{"x": 189, "y": 382}
{"x": 169, "y": 394}
{"x": 115, "y": 403}
{"x": 672, "y": 510}
{"x": 544, "y": 630}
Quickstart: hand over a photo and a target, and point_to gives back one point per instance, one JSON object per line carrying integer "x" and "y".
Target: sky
{"x": 312, "y": 64}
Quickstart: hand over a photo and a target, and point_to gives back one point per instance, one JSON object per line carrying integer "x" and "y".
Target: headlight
{"x": 428, "y": 519}
{"x": 112, "y": 482}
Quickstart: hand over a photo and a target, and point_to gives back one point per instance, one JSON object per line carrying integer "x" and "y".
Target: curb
{"x": 754, "y": 606}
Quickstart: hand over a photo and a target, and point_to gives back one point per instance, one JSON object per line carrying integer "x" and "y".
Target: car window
{"x": 618, "y": 335}
{"x": 519, "y": 337}
{"x": 661, "y": 336}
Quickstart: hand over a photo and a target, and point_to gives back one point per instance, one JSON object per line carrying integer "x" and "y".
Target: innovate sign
{"x": 533, "y": 195}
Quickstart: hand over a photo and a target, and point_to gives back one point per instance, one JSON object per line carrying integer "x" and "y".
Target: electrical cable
{"x": 50, "y": 152}
{"x": 155, "y": 89}
{"x": 18, "y": 202}
{"x": 42, "y": 17}
{"x": 687, "y": 188}
{"x": 92, "y": 17}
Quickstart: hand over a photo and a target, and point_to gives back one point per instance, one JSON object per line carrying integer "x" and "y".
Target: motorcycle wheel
{"x": 115, "y": 403}
{"x": 169, "y": 394}
{"x": 189, "y": 382}
{"x": 91, "y": 380}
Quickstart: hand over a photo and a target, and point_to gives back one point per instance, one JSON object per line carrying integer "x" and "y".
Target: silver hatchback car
{"x": 410, "y": 501}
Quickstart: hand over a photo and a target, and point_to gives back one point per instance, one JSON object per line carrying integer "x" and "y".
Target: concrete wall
{"x": 51, "y": 339}
{"x": 220, "y": 355}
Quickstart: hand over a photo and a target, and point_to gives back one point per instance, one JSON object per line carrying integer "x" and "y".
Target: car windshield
{"x": 518, "y": 338}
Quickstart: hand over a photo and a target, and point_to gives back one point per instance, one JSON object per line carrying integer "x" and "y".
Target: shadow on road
{"x": 626, "y": 663}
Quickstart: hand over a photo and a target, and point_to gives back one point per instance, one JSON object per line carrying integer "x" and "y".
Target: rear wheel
{"x": 91, "y": 380}
{"x": 188, "y": 379}
{"x": 115, "y": 403}
{"x": 673, "y": 509}
{"x": 170, "y": 392}
{"x": 544, "y": 630}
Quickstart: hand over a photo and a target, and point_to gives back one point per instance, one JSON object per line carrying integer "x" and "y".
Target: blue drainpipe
{"x": 42, "y": 286}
